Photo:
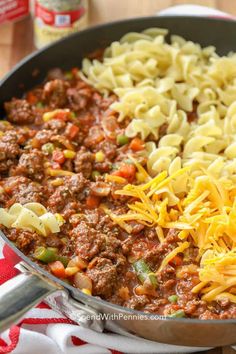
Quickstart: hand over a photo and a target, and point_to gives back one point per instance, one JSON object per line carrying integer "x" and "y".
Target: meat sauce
{"x": 82, "y": 139}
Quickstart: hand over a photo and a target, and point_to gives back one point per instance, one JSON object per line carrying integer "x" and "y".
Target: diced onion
{"x": 37, "y": 208}
{"x": 82, "y": 281}
{"x": 100, "y": 189}
{"x": 50, "y": 222}
{"x": 77, "y": 262}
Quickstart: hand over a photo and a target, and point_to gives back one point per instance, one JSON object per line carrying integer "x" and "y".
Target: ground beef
{"x": 31, "y": 165}
{"x": 112, "y": 247}
{"x": 33, "y": 192}
{"x": 104, "y": 103}
{"x": 43, "y": 136}
{"x": 168, "y": 273}
{"x": 9, "y": 150}
{"x": 19, "y": 111}
{"x": 88, "y": 241}
{"x": 156, "y": 306}
{"x": 24, "y": 239}
{"x": 78, "y": 98}
{"x": 3, "y": 198}
{"x": 106, "y": 225}
{"x": 12, "y": 183}
{"x": 54, "y": 93}
{"x": 23, "y": 190}
{"x": 127, "y": 245}
{"x": 155, "y": 255}
{"x": 208, "y": 315}
{"x": 103, "y": 167}
{"x": 84, "y": 162}
{"x": 195, "y": 307}
{"x": 137, "y": 302}
{"x": 57, "y": 126}
{"x": 76, "y": 183}
{"x": 54, "y": 241}
{"x": 229, "y": 313}
{"x": 109, "y": 149}
{"x": 104, "y": 277}
{"x": 59, "y": 199}
{"x": 94, "y": 137}
{"x": 136, "y": 227}
{"x": 72, "y": 190}
{"x": 184, "y": 286}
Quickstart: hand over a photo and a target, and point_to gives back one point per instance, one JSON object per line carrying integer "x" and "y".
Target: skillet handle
{"x": 19, "y": 295}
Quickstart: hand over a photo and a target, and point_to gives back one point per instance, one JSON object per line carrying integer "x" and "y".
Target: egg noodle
{"x": 32, "y": 216}
{"x": 190, "y": 185}
{"x": 159, "y": 83}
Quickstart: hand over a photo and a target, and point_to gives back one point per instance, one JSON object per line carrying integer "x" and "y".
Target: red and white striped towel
{"x": 44, "y": 330}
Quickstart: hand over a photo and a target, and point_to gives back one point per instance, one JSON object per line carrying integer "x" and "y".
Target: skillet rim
{"x": 81, "y": 296}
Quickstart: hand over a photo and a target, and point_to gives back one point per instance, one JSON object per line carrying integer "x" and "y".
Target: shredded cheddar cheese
{"x": 217, "y": 274}
{"x": 173, "y": 253}
{"x": 58, "y": 172}
{"x": 205, "y": 217}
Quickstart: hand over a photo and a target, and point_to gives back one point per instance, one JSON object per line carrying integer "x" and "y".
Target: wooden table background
{"x": 16, "y": 40}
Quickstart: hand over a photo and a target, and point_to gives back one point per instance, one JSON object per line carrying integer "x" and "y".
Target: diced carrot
{"x": 62, "y": 115}
{"x": 136, "y": 144}
{"x": 127, "y": 171}
{"x": 117, "y": 173}
{"x": 32, "y": 133}
{"x": 31, "y": 98}
{"x": 72, "y": 130}
{"x": 92, "y": 201}
{"x": 75, "y": 71}
{"x": 58, "y": 156}
{"x": 35, "y": 143}
{"x": 8, "y": 190}
{"x": 22, "y": 139}
{"x": 176, "y": 261}
{"x": 58, "y": 269}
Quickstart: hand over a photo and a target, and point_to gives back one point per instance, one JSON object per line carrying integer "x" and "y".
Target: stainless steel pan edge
{"x": 189, "y": 332}
{"x": 24, "y": 291}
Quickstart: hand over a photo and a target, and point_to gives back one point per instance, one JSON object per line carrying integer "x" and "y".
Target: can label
{"x": 52, "y": 25}
{"x": 11, "y": 10}
{"x": 58, "y": 19}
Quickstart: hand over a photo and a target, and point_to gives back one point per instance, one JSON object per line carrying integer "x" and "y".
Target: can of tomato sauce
{"x": 54, "y": 19}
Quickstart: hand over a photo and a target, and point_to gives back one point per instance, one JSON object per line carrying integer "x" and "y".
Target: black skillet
{"x": 34, "y": 284}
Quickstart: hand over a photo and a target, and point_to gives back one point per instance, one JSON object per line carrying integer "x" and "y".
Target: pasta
{"x": 157, "y": 84}
{"x": 33, "y": 216}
